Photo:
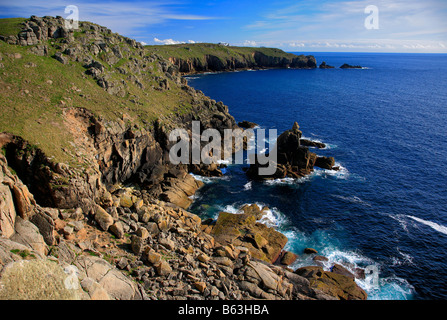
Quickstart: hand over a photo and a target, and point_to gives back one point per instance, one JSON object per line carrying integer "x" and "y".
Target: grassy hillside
{"x": 197, "y": 57}
{"x": 112, "y": 76}
{"x": 199, "y": 50}
{"x": 35, "y": 89}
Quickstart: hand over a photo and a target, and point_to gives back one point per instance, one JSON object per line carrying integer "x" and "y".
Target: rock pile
{"x": 135, "y": 249}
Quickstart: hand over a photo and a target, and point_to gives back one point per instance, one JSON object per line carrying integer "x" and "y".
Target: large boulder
{"x": 117, "y": 285}
{"x": 242, "y": 229}
{"x": 334, "y": 284}
{"x": 178, "y": 191}
{"x": 28, "y": 234}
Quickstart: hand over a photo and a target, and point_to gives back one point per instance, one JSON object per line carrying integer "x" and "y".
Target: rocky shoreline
{"x": 115, "y": 221}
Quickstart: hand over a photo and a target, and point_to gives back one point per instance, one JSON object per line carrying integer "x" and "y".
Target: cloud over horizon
{"x": 306, "y": 25}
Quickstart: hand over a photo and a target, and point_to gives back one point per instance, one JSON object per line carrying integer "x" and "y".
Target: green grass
{"x": 11, "y": 26}
{"x": 200, "y": 50}
{"x": 33, "y": 99}
{"x": 35, "y": 90}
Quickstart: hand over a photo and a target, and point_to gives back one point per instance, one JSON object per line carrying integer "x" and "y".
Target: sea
{"x": 385, "y": 124}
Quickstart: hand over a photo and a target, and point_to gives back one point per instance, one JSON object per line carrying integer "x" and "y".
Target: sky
{"x": 294, "y": 26}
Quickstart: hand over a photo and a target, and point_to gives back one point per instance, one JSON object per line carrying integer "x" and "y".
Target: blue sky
{"x": 299, "y": 25}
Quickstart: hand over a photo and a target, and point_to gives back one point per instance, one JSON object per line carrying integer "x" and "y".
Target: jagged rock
{"x": 28, "y": 234}
{"x": 104, "y": 219}
{"x": 325, "y": 162}
{"x": 247, "y": 124}
{"x": 111, "y": 279}
{"x": 348, "y": 66}
{"x": 310, "y": 251}
{"x": 117, "y": 229}
{"x": 242, "y": 229}
{"x": 46, "y": 226}
{"x": 333, "y": 284}
{"x": 163, "y": 268}
{"x": 180, "y": 190}
{"x": 137, "y": 244}
{"x": 7, "y": 211}
{"x": 339, "y": 269}
{"x": 60, "y": 57}
{"x": 323, "y": 65}
{"x": 293, "y": 160}
{"x": 288, "y": 258}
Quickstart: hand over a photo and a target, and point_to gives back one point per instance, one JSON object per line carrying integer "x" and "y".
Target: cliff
{"x": 207, "y": 57}
{"x": 86, "y": 182}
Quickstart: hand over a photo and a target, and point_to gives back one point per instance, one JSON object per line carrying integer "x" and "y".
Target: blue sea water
{"x": 386, "y": 127}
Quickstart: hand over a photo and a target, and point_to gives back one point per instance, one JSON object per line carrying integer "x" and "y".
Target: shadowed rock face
{"x": 55, "y": 214}
{"x": 293, "y": 159}
{"x": 258, "y": 60}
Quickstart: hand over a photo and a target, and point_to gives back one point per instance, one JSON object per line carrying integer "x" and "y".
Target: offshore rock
{"x": 293, "y": 159}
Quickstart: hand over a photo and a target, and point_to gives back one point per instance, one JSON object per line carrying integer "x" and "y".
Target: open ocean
{"x": 386, "y": 126}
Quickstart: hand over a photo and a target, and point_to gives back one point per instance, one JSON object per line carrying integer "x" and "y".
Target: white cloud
{"x": 171, "y": 41}
{"x": 250, "y": 43}
{"x": 403, "y": 24}
{"x": 127, "y": 18}
{"x": 167, "y": 41}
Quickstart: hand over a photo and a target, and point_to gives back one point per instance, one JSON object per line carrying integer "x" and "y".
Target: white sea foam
{"x": 433, "y": 225}
{"x": 272, "y": 217}
{"x": 285, "y": 181}
{"x": 208, "y": 179}
{"x": 342, "y": 173}
{"x": 248, "y": 186}
{"x": 402, "y": 259}
{"x": 352, "y": 199}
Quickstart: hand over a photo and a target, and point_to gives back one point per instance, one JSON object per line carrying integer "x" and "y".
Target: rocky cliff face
{"x": 120, "y": 198}
{"x": 113, "y": 151}
{"x": 257, "y": 60}
{"x": 294, "y": 159}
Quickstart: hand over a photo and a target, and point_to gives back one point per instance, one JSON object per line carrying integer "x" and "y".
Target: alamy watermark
{"x": 72, "y": 20}
{"x": 372, "y": 21}
{"x": 189, "y": 149}
{"x": 72, "y": 281}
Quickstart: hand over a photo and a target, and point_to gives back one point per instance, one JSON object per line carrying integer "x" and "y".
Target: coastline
{"x": 70, "y": 203}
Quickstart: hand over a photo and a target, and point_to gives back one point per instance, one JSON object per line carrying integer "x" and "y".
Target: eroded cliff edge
{"x": 86, "y": 176}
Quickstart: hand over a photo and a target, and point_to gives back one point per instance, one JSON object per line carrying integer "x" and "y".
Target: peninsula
{"x": 86, "y": 187}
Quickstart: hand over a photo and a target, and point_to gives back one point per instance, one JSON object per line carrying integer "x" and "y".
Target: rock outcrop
{"x": 348, "y": 66}
{"x": 333, "y": 284}
{"x": 112, "y": 223}
{"x": 256, "y": 59}
{"x": 293, "y": 159}
{"x": 323, "y": 65}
